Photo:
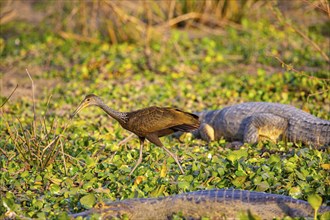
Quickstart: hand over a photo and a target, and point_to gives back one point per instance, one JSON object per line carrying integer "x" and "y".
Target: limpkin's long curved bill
{"x": 81, "y": 106}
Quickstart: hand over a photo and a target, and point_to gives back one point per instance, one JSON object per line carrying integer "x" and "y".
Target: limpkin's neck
{"x": 119, "y": 116}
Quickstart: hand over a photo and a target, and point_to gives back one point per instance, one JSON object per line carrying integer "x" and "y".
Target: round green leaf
{"x": 295, "y": 192}
{"x": 184, "y": 185}
{"x": 88, "y": 201}
{"x": 315, "y": 201}
{"x": 55, "y": 189}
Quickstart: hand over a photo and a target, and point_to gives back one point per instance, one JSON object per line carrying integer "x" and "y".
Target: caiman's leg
{"x": 126, "y": 139}
{"x": 265, "y": 126}
{"x": 155, "y": 140}
{"x": 206, "y": 132}
{"x": 140, "y": 156}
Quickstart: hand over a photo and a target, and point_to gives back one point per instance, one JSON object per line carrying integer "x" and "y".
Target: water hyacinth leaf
{"x": 300, "y": 175}
{"x": 55, "y": 189}
{"x": 63, "y": 216}
{"x": 295, "y": 192}
{"x": 37, "y": 203}
{"x": 10, "y": 195}
{"x": 239, "y": 181}
{"x": 315, "y": 201}
{"x": 184, "y": 185}
{"x": 25, "y": 174}
{"x": 274, "y": 159}
{"x": 262, "y": 186}
{"x": 88, "y": 201}
{"x": 163, "y": 170}
{"x": 158, "y": 191}
{"x": 325, "y": 216}
{"x": 90, "y": 162}
{"x": 8, "y": 203}
{"x": 236, "y": 155}
{"x": 42, "y": 215}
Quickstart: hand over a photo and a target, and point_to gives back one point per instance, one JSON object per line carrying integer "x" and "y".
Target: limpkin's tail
{"x": 190, "y": 121}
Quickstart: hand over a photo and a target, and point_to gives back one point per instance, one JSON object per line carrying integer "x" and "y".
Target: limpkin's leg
{"x": 126, "y": 139}
{"x": 154, "y": 139}
{"x": 174, "y": 157}
{"x": 140, "y": 156}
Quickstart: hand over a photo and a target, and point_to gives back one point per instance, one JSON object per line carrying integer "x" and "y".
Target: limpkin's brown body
{"x": 159, "y": 121}
{"x": 148, "y": 123}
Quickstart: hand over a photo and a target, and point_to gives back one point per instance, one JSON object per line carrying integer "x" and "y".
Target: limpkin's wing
{"x": 156, "y": 119}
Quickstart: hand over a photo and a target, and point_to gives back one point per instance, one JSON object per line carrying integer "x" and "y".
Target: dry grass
{"x": 121, "y": 21}
{"x": 37, "y": 142}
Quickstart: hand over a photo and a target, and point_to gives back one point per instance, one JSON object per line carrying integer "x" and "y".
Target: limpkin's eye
{"x": 87, "y": 100}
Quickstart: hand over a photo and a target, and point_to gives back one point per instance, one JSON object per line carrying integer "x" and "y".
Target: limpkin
{"x": 148, "y": 123}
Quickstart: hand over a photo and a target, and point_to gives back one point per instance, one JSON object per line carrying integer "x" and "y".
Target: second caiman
{"x": 213, "y": 204}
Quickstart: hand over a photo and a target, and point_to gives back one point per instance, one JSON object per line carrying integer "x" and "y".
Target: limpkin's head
{"x": 89, "y": 100}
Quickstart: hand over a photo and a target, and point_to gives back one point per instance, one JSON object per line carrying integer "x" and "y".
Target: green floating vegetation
{"x": 87, "y": 166}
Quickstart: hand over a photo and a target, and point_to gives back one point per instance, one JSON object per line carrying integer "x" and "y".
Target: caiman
{"x": 214, "y": 204}
{"x": 251, "y": 122}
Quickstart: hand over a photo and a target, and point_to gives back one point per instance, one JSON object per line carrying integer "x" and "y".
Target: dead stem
{"x": 278, "y": 14}
{"x": 34, "y": 104}
{"x": 7, "y": 99}
{"x": 290, "y": 68}
{"x": 73, "y": 158}
{"x": 63, "y": 158}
